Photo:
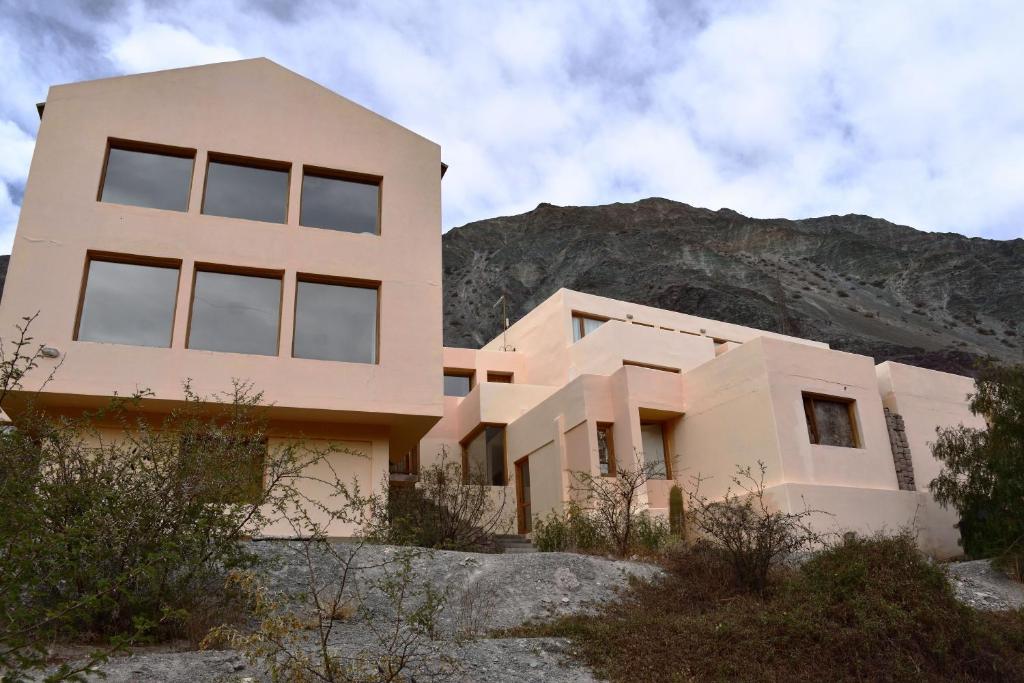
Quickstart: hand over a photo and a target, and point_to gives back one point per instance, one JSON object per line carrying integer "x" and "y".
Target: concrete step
{"x": 513, "y": 543}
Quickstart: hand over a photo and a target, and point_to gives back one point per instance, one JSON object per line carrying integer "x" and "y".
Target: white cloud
{"x": 908, "y": 111}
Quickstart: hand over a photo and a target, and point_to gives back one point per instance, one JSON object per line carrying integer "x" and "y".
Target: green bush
{"x": 576, "y": 530}
{"x": 676, "y": 513}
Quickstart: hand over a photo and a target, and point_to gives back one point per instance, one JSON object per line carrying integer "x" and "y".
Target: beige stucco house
{"x": 240, "y": 221}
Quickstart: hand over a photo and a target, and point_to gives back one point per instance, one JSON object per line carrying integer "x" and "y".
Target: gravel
{"x": 983, "y": 587}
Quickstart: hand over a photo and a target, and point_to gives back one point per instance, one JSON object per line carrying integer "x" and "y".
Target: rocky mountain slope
{"x": 861, "y": 284}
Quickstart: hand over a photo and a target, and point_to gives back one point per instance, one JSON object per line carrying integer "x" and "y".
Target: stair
{"x": 513, "y": 543}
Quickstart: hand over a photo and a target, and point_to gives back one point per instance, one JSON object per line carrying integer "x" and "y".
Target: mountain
{"x": 862, "y": 284}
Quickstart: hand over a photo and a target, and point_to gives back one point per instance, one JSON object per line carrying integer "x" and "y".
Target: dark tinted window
{"x": 158, "y": 181}
{"x": 485, "y": 457}
{"x": 259, "y": 194}
{"x": 237, "y": 313}
{"x": 830, "y": 422}
{"x": 125, "y": 303}
{"x": 338, "y": 204}
{"x": 335, "y": 322}
{"x": 456, "y": 385}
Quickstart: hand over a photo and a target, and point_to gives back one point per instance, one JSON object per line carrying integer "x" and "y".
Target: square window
{"x": 335, "y": 322}
{"x": 239, "y": 313}
{"x": 256, "y": 191}
{"x": 831, "y": 421}
{"x": 128, "y": 303}
{"x": 457, "y": 383}
{"x": 336, "y": 202}
{"x": 153, "y": 179}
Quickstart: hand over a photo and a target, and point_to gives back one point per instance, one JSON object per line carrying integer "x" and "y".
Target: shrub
{"x": 676, "y": 512}
{"x": 983, "y": 472}
{"x": 442, "y": 511}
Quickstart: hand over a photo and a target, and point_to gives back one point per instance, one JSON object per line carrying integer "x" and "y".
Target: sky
{"x": 909, "y": 111}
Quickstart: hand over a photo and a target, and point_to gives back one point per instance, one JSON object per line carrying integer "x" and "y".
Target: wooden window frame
{"x": 149, "y": 148}
{"x": 348, "y": 176}
{"x": 268, "y": 273}
{"x": 475, "y": 432}
{"x": 345, "y": 282}
{"x": 650, "y": 366}
{"x": 613, "y": 467}
{"x": 577, "y": 318}
{"x": 808, "y": 398}
{"x": 510, "y": 377}
{"x": 132, "y": 260}
{"x": 249, "y": 162}
{"x": 666, "y": 445}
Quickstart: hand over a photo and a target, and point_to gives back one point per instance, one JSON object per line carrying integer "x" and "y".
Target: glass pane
{"x": 476, "y": 459}
{"x": 604, "y": 450}
{"x": 336, "y": 322}
{"x": 157, "y": 181}
{"x": 235, "y": 191}
{"x": 339, "y": 204}
{"x": 128, "y": 304}
{"x": 590, "y": 325}
{"x": 456, "y": 385}
{"x": 833, "y": 420}
{"x": 652, "y": 437}
{"x": 239, "y": 313}
{"x": 496, "y": 455}
{"x": 576, "y": 336}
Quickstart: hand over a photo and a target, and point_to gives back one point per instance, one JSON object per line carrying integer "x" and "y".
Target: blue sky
{"x": 910, "y": 111}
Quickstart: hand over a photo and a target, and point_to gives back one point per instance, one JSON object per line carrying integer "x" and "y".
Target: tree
{"x": 983, "y": 469}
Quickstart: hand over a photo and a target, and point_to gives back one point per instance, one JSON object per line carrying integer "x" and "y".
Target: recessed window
{"x": 238, "y": 313}
{"x": 337, "y": 202}
{"x": 406, "y": 466}
{"x": 128, "y": 303}
{"x": 605, "y": 450}
{"x": 655, "y": 440}
{"x": 457, "y": 382}
{"x": 831, "y": 421}
{"x": 154, "y": 179}
{"x": 500, "y": 377}
{"x": 582, "y": 325}
{"x": 335, "y": 322}
{"x": 256, "y": 190}
{"x": 483, "y": 457}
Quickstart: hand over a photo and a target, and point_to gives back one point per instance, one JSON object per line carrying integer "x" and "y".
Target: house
{"x": 239, "y": 221}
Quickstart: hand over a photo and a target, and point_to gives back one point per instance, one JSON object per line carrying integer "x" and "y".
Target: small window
{"x": 605, "y": 450}
{"x": 831, "y": 421}
{"x": 338, "y": 202}
{"x": 335, "y": 322}
{"x": 583, "y": 325}
{"x": 128, "y": 303}
{"x": 408, "y": 465}
{"x": 654, "y": 439}
{"x": 483, "y": 457}
{"x": 154, "y": 177}
{"x": 238, "y": 313}
{"x": 457, "y": 382}
{"x": 255, "y": 190}
{"x": 500, "y": 377}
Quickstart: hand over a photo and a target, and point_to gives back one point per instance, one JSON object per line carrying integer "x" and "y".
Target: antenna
{"x": 504, "y": 322}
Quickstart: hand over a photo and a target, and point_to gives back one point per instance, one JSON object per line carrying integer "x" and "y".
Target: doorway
{"x": 523, "y": 515}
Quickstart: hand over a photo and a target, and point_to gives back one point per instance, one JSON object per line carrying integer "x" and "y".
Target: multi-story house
{"x": 237, "y": 221}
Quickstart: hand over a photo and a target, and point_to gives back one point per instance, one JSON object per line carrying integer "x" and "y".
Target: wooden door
{"x": 523, "y": 496}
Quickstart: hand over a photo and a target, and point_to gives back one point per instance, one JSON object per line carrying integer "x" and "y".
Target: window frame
{"x": 577, "y": 318}
{"x": 807, "y": 400}
{"x": 247, "y": 162}
{"x": 222, "y": 269}
{"x": 650, "y": 366}
{"x": 666, "y": 444}
{"x": 613, "y": 468}
{"x": 475, "y": 432}
{"x": 342, "y": 281}
{"x": 503, "y": 377}
{"x": 131, "y": 260}
{"x": 127, "y": 145}
{"x": 459, "y": 372}
{"x": 347, "y": 176}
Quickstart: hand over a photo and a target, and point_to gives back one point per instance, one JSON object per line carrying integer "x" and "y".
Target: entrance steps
{"x": 514, "y": 543}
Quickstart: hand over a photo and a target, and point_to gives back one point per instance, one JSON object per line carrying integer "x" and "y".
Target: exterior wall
{"x": 252, "y": 108}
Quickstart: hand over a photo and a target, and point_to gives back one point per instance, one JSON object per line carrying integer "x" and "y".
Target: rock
{"x": 566, "y": 580}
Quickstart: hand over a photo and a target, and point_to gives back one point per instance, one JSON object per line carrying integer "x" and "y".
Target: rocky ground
{"x": 486, "y": 593}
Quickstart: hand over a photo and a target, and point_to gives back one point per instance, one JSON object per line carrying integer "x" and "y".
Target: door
{"x": 523, "y": 496}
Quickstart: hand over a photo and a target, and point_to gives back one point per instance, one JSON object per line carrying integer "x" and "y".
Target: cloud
{"x": 909, "y": 111}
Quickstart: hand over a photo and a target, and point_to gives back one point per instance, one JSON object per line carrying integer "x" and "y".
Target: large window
{"x": 483, "y": 457}
{"x": 257, "y": 190}
{"x": 605, "y": 450}
{"x": 831, "y": 421}
{"x": 154, "y": 177}
{"x": 232, "y": 312}
{"x": 128, "y": 303}
{"x": 457, "y": 382}
{"x": 339, "y": 202}
{"x": 582, "y": 325}
{"x": 335, "y": 322}
{"x": 655, "y": 443}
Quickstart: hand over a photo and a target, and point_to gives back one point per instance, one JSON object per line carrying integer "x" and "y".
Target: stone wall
{"x": 900, "y": 450}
